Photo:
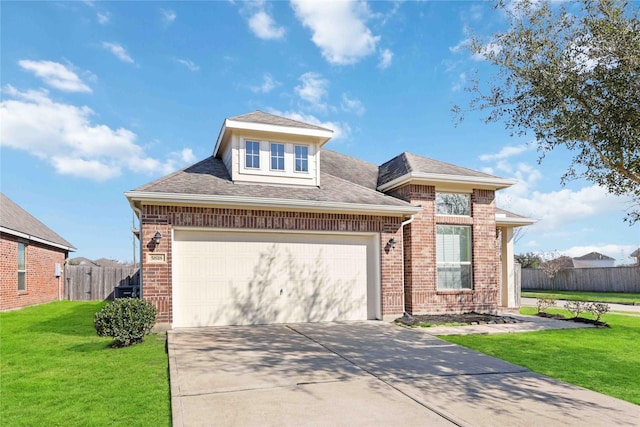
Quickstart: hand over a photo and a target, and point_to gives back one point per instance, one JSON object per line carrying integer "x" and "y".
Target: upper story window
{"x": 252, "y": 154}
{"x": 277, "y": 157}
{"x": 302, "y": 158}
{"x": 22, "y": 267}
{"x": 453, "y": 204}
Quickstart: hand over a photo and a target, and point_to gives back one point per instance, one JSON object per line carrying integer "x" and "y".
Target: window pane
{"x": 453, "y": 204}
{"x": 277, "y": 156}
{"x": 22, "y": 285}
{"x": 21, "y": 257}
{"x": 302, "y": 156}
{"x": 453, "y": 257}
{"x": 252, "y": 157}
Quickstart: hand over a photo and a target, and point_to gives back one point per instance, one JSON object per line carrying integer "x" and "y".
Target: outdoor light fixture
{"x": 392, "y": 242}
{"x": 157, "y": 237}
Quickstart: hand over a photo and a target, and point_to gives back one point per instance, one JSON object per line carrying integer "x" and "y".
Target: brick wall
{"x": 421, "y": 293}
{"x": 41, "y": 283}
{"x": 157, "y": 283}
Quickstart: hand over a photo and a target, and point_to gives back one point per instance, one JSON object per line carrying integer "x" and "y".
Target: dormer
{"x": 263, "y": 148}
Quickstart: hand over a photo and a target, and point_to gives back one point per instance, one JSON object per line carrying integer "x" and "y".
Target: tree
{"x": 573, "y": 79}
{"x": 529, "y": 260}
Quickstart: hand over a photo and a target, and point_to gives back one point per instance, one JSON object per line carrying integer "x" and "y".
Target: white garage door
{"x": 241, "y": 278}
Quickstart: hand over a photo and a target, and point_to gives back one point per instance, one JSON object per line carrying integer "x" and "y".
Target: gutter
{"x": 36, "y": 239}
{"x": 494, "y": 183}
{"x": 268, "y": 203}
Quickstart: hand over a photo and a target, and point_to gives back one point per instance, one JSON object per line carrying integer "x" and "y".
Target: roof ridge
{"x": 451, "y": 164}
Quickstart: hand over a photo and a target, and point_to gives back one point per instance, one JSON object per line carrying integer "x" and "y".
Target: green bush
{"x": 126, "y": 320}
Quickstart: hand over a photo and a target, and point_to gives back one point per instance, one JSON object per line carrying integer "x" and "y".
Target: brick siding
{"x": 421, "y": 293}
{"x": 41, "y": 283}
{"x": 157, "y": 278}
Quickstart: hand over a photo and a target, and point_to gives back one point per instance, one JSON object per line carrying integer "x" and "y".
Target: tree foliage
{"x": 529, "y": 260}
{"x": 572, "y": 77}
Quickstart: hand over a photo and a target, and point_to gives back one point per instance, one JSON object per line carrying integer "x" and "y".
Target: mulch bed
{"x": 466, "y": 318}
{"x": 598, "y": 323}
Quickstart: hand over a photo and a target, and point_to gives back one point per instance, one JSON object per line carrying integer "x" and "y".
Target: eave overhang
{"x": 323, "y": 135}
{"x": 483, "y": 183}
{"x": 267, "y": 203}
{"x": 36, "y": 239}
{"x": 502, "y": 221}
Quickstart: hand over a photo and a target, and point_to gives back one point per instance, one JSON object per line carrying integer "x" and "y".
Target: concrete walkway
{"x": 531, "y": 302}
{"x": 364, "y": 374}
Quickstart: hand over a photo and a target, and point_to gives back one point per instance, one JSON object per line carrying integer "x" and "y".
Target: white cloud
{"x": 338, "y": 29}
{"x": 508, "y": 151}
{"x": 264, "y": 27}
{"x": 313, "y": 89}
{"x": 386, "y": 56}
{"x": 55, "y": 75}
{"x": 340, "y": 130}
{"x": 168, "y": 16}
{"x": 103, "y": 18}
{"x": 192, "y": 66}
{"x": 352, "y": 105}
{"x": 65, "y": 136}
{"x": 119, "y": 51}
{"x": 267, "y": 85}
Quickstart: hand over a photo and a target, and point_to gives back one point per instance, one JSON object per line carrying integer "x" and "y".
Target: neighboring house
{"x": 272, "y": 228}
{"x": 636, "y": 255}
{"x": 32, "y": 258}
{"x": 593, "y": 259}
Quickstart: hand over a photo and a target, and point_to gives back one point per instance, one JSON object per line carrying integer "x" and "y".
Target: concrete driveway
{"x": 364, "y": 374}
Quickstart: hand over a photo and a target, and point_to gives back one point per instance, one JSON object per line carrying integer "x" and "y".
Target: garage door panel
{"x": 242, "y": 278}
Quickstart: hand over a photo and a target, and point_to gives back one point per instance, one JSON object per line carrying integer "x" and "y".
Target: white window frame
{"x": 449, "y": 257}
{"x": 438, "y": 205}
{"x": 304, "y": 160}
{"x": 276, "y": 157}
{"x": 22, "y": 271}
{"x": 254, "y": 156}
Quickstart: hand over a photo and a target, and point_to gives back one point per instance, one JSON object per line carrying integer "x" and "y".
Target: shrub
{"x": 126, "y": 320}
{"x": 598, "y": 309}
{"x": 575, "y": 307}
{"x": 545, "y": 303}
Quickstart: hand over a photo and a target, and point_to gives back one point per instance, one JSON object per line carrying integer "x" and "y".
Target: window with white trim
{"x": 252, "y": 154}
{"x": 277, "y": 157}
{"x": 22, "y": 267}
{"x": 453, "y": 204}
{"x": 453, "y": 257}
{"x": 301, "y": 153}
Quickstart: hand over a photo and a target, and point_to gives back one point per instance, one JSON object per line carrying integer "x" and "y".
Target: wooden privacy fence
{"x": 608, "y": 279}
{"x": 92, "y": 283}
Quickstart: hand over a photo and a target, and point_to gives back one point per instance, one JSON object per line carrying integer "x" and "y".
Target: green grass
{"x": 601, "y": 359}
{"x": 612, "y": 297}
{"x": 55, "y": 371}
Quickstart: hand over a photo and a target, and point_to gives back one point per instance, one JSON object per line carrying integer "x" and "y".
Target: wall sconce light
{"x": 392, "y": 242}
{"x": 157, "y": 237}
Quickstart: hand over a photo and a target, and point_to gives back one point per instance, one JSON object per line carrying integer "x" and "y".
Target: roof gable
{"x": 594, "y": 256}
{"x": 409, "y": 166}
{"x": 17, "y": 221}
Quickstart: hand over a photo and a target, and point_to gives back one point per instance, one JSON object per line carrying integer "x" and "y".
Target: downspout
{"x": 138, "y": 212}
{"x": 409, "y": 221}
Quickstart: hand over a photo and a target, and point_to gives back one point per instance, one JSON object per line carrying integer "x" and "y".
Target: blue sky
{"x": 99, "y": 98}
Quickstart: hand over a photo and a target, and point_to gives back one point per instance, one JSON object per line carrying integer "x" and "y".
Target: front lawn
{"x": 55, "y": 370}
{"x": 606, "y": 360}
{"x": 612, "y": 297}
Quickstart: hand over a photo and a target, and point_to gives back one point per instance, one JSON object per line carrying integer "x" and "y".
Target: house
{"x": 636, "y": 255}
{"x": 32, "y": 260}
{"x": 593, "y": 259}
{"x": 273, "y": 228}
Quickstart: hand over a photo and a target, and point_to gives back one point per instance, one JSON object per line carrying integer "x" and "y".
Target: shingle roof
{"x": 406, "y": 163}
{"x": 349, "y": 168}
{"x": 594, "y": 256}
{"x": 271, "y": 119}
{"x": 14, "y": 218}
{"x": 210, "y": 177}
